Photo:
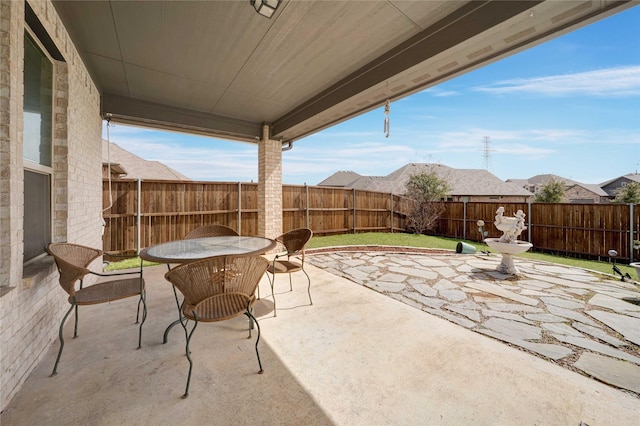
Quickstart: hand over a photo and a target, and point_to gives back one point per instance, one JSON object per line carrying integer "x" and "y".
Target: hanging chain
{"x": 107, "y": 118}
{"x": 387, "y": 109}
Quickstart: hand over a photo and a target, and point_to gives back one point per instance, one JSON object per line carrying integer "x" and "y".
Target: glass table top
{"x": 198, "y": 248}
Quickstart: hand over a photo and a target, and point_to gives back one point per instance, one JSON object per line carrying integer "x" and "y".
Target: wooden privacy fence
{"x": 144, "y": 213}
{"x": 578, "y": 230}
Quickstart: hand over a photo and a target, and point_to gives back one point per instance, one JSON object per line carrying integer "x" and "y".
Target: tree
{"x": 551, "y": 192}
{"x": 427, "y": 192}
{"x": 628, "y": 194}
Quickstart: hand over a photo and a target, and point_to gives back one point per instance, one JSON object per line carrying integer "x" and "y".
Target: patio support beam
{"x": 137, "y": 112}
{"x": 467, "y": 22}
{"x": 269, "y": 185}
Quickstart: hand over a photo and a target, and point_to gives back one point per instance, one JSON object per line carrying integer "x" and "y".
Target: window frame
{"x": 32, "y": 166}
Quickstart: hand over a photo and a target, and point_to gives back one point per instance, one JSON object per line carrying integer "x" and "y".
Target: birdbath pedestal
{"x": 507, "y": 266}
{"x": 508, "y": 244}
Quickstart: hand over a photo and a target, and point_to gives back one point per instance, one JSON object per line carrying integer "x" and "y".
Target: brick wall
{"x": 579, "y": 194}
{"x": 269, "y": 186}
{"x": 31, "y": 301}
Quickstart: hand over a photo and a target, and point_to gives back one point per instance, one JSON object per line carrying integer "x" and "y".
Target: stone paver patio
{"x": 570, "y": 316}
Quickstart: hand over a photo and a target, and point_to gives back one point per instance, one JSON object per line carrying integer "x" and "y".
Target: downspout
{"x": 288, "y": 147}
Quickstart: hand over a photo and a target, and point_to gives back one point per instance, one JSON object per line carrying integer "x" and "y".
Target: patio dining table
{"x": 181, "y": 251}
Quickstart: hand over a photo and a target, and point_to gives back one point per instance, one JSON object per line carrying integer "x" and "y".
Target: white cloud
{"x": 441, "y": 93}
{"x": 316, "y": 161}
{"x": 611, "y": 82}
{"x": 198, "y": 158}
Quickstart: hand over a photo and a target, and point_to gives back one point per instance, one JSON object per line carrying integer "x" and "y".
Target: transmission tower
{"x": 486, "y": 152}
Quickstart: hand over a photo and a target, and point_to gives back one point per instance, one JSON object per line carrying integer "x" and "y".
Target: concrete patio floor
{"x": 356, "y": 357}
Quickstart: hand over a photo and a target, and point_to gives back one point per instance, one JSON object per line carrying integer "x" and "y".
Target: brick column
{"x": 11, "y": 124}
{"x": 269, "y": 186}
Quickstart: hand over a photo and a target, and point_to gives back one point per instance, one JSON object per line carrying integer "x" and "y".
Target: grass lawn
{"x": 411, "y": 240}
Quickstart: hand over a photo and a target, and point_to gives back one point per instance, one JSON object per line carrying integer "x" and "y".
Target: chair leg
{"x": 250, "y": 315}
{"x": 183, "y": 321}
{"x": 290, "y": 283}
{"x": 250, "y": 322}
{"x": 75, "y": 327}
{"x": 138, "y": 312}
{"x": 55, "y": 367}
{"x": 308, "y": 286}
{"x": 195, "y": 324}
{"x": 272, "y": 282}
{"x": 139, "y": 301}
{"x": 176, "y": 322}
{"x": 143, "y": 299}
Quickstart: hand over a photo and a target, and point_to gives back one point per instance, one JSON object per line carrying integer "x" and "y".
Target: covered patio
{"x": 355, "y": 357}
{"x": 218, "y": 68}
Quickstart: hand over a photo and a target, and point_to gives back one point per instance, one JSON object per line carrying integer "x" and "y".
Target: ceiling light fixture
{"x": 265, "y": 7}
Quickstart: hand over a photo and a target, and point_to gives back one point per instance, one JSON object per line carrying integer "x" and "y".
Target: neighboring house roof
{"x": 463, "y": 182}
{"x": 595, "y": 188}
{"x": 613, "y": 185}
{"x": 136, "y": 167}
{"x": 629, "y": 176}
{"x": 340, "y": 179}
{"x": 519, "y": 182}
{"x": 546, "y": 178}
{"x": 372, "y": 183}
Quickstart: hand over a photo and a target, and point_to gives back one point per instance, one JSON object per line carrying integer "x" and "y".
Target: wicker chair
{"x": 73, "y": 261}
{"x": 294, "y": 242}
{"x": 217, "y": 289}
{"x": 211, "y": 231}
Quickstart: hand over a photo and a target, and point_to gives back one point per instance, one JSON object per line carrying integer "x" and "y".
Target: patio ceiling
{"x": 220, "y": 69}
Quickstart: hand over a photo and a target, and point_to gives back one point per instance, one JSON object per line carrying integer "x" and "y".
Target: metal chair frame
{"x": 294, "y": 242}
{"x": 217, "y": 289}
{"x": 101, "y": 292}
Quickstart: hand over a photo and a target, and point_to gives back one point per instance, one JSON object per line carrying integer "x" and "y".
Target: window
{"x": 37, "y": 147}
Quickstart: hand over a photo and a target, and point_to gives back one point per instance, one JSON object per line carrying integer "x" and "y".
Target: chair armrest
{"x": 113, "y": 274}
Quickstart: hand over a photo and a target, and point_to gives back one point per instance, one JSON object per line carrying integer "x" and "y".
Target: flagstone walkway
{"x": 570, "y": 316}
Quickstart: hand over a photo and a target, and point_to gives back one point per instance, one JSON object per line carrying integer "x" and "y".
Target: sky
{"x": 569, "y": 107}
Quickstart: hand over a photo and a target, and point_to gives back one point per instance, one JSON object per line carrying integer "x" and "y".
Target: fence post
{"x": 630, "y": 233}
{"x": 240, "y": 208}
{"x": 529, "y": 221}
{"x": 354, "y": 210}
{"x": 138, "y": 218}
{"x": 306, "y": 204}
{"x": 391, "y": 211}
{"x": 465, "y": 200}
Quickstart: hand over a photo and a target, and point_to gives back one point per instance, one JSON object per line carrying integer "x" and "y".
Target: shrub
{"x": 428, "y": 192}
